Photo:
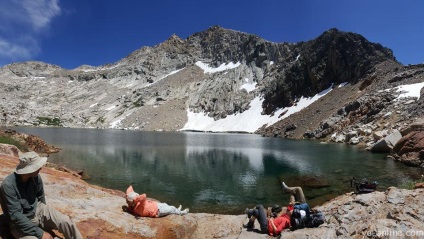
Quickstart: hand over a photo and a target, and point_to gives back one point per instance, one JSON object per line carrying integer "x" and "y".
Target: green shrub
{"x": 101, "y": 119}
{"x": 49, "y": 121}
{"x": 411, "y": 184}
{"x": 8, "y": 140}
{"x": 407, "y": 185}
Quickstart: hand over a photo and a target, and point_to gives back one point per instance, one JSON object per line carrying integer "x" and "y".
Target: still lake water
{"x": 217, "y": 173}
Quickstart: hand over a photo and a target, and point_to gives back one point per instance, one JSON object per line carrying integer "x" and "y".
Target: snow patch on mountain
{"x": 343, "y": 84}
{"x": 173, "y": 72}
{"x": 248, "y": 86}
{"x": 248, "y": 121}
{"x": 412, "y": 90}
{"x": 223, "y": 67}
{"x": 117, "y": 124}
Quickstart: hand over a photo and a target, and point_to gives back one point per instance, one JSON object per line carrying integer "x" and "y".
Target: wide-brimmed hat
{"x": 30, "y": 162}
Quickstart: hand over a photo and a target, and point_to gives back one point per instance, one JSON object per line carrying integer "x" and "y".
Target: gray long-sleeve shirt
{"x": 19, "y": 202}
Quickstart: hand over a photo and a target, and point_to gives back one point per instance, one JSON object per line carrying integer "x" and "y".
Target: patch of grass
{"x": 407, "y": 185}
{"x": 138, "y": 104}
{"x": 411, "y": 184}
{"x": 49, "y": 121}
{"x": 101, "y": 119}
{"x": 8, "y": 140}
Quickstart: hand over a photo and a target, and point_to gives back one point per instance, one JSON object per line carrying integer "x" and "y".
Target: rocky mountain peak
{"x": 172, "y": 43}
{"x": 175, "y": 38}
{"x": 223, "y": 45}
{"x": 30, "y": 69}
{"x": 332, "y": 31}
{"x": 216, "y": 29}
{"x": 351, "y": 42}
{"x": 218, "y": 32}
{"x": 84, "y": 67}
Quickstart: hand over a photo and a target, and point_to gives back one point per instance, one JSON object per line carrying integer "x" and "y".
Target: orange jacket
{"x": 143, "y": 206}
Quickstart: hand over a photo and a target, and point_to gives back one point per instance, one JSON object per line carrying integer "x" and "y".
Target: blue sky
{"x": 70, "y": 33}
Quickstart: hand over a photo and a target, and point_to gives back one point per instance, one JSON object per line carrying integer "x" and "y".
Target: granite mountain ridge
{"x": 154, "y": 88}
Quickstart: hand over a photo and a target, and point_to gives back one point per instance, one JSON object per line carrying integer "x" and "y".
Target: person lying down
{"x": 141, "y": 206}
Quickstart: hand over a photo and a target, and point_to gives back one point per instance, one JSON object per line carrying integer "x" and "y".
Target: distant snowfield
{"x": 412, "y": 90}
{"x": 248, "y": 121}
{"x": 223, "y": 67}
{"x": 252, "y": 119}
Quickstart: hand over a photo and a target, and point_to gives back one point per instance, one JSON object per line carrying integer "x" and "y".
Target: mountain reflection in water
{"x": 217, "y": 173}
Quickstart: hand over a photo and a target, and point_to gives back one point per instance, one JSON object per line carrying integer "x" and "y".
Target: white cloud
{"x": 41, "y": 12}
{"x": 22, "y": 25}
{"x": 11, "y": 50}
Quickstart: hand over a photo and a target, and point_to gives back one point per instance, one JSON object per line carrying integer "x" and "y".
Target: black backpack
{"x": 314, "y": 219}
{"x": 363, "y": 186}
{"x": 317, "y": 218}
{"x": 296, "y": 221}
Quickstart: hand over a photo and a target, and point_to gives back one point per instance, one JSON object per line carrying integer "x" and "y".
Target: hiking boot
{"x": 249, "y": 226}
{"x": 285, "y": 187}
{"x": 185, "y": 211}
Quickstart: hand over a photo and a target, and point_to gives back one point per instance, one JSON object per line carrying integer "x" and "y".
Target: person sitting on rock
{"x": 141, "y": 206}
{"x": 272, "y": 224}
{"x": 24, "y": 204}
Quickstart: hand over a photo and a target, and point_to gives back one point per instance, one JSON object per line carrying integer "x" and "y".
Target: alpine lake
{"x": 218, "y": 172}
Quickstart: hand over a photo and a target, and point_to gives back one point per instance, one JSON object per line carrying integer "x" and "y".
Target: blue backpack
{"x": 303, "y": 206}
{"x": 312, "y": 219}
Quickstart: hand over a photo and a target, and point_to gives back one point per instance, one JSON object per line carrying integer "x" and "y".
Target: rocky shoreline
{"x": 394, "y": 213}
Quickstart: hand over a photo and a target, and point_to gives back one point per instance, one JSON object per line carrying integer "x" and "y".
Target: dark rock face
{"x": 223, "y": 45}
{"x": 334, "y": 57}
